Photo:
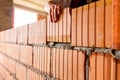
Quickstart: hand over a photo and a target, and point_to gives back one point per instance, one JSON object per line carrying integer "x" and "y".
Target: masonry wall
{"x": 77, "y": 47}
{"x": 6, "y": 14}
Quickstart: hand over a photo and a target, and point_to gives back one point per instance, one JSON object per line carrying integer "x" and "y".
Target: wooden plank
{"x": 92, "y": 28}
{"x": 74, "y": 27}
{"x": 68, "y": 25}
{"x": 108, "y": 23}
{"x": 92, "y": 69}
{"x": 70, "y": 67}
{"x": 79, "y": 26}
{"x": 100, "y": 20}
{"x": 85, "y": 26}
{"x": 65, "y": 64}
{"x": 57, "y": 64}
{"x": 116, "y": 24}
{"x": 65, "y": 25}
{"x": 75, "y": 65}
{"x": 81, "y": 65}
{"x": 61, "y": 65}
{"x": 100, "y": 66}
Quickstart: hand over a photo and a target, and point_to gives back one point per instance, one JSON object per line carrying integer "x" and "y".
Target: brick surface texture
{"x": 25, "y": 52}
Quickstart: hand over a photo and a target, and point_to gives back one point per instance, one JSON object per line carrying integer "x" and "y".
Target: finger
{"x": 59, "y": 9}
{"x": 55, "y": 14}
{"x": 51, "y": 18}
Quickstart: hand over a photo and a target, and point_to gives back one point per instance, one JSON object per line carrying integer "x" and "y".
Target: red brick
{"x": 26, "y": 54}
{"x": 23, "y": 34}
{"x": 29, "y": 74}
{"x": 13, "y": 50}
{"x": 36, "y": 57}
{"x": 37, "y": 32}
{"x": 74, "y": 27}
{"x": 13, "y": 35}
{"x": 108, "y": 23}
{"x": 21, "y": 72}
{"x": 8, "y": 76}
{"x": 92, "y": 24}
{"x": 11, "y": 66}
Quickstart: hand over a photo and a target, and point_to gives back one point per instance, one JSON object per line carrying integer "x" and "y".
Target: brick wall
{"x": 6, "y": 14}
{"x": 70, "y": 49}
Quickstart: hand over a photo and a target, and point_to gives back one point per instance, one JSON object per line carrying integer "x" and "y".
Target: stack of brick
{"x": 25, "y": 52}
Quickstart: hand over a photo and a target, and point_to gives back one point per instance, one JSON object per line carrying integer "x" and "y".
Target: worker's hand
{"x": 55, "y": 11}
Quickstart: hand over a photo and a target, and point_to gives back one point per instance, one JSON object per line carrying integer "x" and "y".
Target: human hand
{"x": 55, "y": 12}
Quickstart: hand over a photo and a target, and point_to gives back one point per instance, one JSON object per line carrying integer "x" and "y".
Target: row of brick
{"x": 61, "y": 30}
{"x": 92, "y": 24}
{"x": 88, "y": 25}
{"x": 16, "y": 71}
{"x": 103, "y": 67}
{"x": 62, "y": 64}
{"x": 4, "y": 75}
{"x": 34, "y": 33}
{"x": 22, "y": 53}
{"x": 68, "y": 64}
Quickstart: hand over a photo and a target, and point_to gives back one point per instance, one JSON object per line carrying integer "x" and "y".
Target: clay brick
{"x": 8, "y": 76}
{"x": 13, "y": 35}
{"x": 3, "y": 73}
{"x": 81, "y": 65}
{"x": 113, "y": 69}
{"x": 61, "y": 64}
{"x": 36, "y": 57}
{"x": 37, "y": 32}
{"x": 11, "y": 66}
{"x": 6, "y": 36}
{"x": 75, "y": 65}
{"x": 60, "y": 29}
{"x": 48, "y": 28}
{"x": 4, "y": 48}
{"x": 21, "y": 72}
{"x": 48, "y": 61}
{"x": 79, "y": 26}
{"x": 64, "y": 25}
{"x": 108, "y": 23}
{"x": 92, "y": 69}
{"x": 107, "y": 67}
{"x": 100, "y": 16}
{"x": 26, "y": 54}
{"x": 92, "y": 24}
{"x": 116, "y": 24}
{"x": 74, "y": 27}
{"x": 70, "y": 67}
{"x": 85, "y": 26}
{"x": 13, "y": 50}
{"x": 23, "y": 34}
{"x": 53, "y": 60}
